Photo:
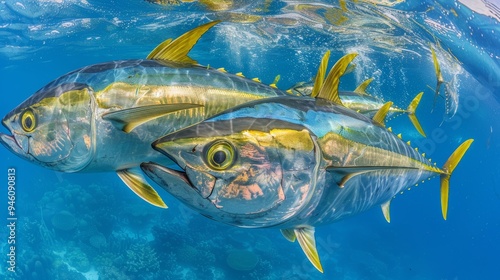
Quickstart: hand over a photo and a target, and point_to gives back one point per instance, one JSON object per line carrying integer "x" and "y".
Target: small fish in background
{"x": 294, "y": 163}
{"x": 450, "y": 94}
{"x": 362, "y": 102}
{"x": 104, "y": 117}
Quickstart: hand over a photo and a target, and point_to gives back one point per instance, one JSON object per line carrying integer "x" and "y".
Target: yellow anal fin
{"x": 128, "y": 119}
{"x": 305, "y": 236}
{"x": 448, "y": 168}
{"x": 379, "y": 117}
{"x": 136, "y": 182}
{"x": 177, "y": 50}
{"x": 361, "y": 89}
{"x": 320, "y": 76}
{"x": 289, "y": 234}
{"x": 330, "y": 88}
{"x": 411, "y": 113}
{"x": 387, "y": 211}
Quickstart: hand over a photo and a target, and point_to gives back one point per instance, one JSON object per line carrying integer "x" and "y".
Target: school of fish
{"x": 231, "y": 148}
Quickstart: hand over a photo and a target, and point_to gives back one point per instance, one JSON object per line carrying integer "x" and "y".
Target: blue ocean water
{"x": 90, "y": 226}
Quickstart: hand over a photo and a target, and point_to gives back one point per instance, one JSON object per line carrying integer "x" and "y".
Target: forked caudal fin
{"x": 411, "y": 113}
{"x": 448, "y": 168}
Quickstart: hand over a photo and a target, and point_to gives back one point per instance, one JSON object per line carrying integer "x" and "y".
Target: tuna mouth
{"x": 166, "y": 177}
{"x": 11, "y": 144}
{"x": 177, "y": 184}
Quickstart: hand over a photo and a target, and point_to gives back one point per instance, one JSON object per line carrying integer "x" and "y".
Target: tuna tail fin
{"x": 448, "y": 168}
{"x": 411, "y": 113}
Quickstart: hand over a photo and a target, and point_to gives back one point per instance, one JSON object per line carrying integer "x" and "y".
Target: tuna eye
{"x": 28, "y": 120}
{"x": 220, "y": 155}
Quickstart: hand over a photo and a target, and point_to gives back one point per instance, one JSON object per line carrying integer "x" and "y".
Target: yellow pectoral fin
{"x": 136, "y": 182}
{"x": 289, "y": 234}
{"x": 305, "y": 236}
{"x": 345, "y": 173}
{"x": 128, "y": 119}
{"x": 178, "y": 49}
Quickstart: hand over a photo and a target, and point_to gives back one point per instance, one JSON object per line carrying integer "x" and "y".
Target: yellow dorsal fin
{"x": 330, "y": 88}
{"x": 361, "y": 89}
{"x": 448, "y": 168}
{"x": 386, "y": 210}
{"x": 411, "y": 113}
{"x": 275, "y": 82}
{"x": 320, "y": 76}
{"x": 256, "y": 80}
{"x": 289, "y": 234}
{"x": 305, "y": 236}
{"x": 177, "y": 50}
{"x": 379, "y": 117}
{"x": 136, "y": 182}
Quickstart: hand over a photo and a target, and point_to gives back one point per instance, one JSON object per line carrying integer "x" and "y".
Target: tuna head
{"x": 53, "y": 128}
{"x": 240, "y": 171}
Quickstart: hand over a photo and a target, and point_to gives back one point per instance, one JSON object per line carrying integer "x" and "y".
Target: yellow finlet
{"x": 400, "y": 136}
{"x": 411, "y": 113}
{"x": 379, "y": 117}
{"x": 305, "y": 236}
{"x": 389, "y": 129}
{"x": 222, "y": 70}
{"x": 136, "y": 182}
{"x": 177, "y": 50}
{"x": 361, "y": 89}
{"x": 320, "y": 76}
{"x": 448, "y": 168}
{"x": 386, "y": 211}
{"x": 240, "y": 74}
{"x": 330, "y": 88}
{"x": 128, "y": 119}
{"x": 289, "y": 234}
{"x": 256, "y": 80}
{"x": 408, "y": 143}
